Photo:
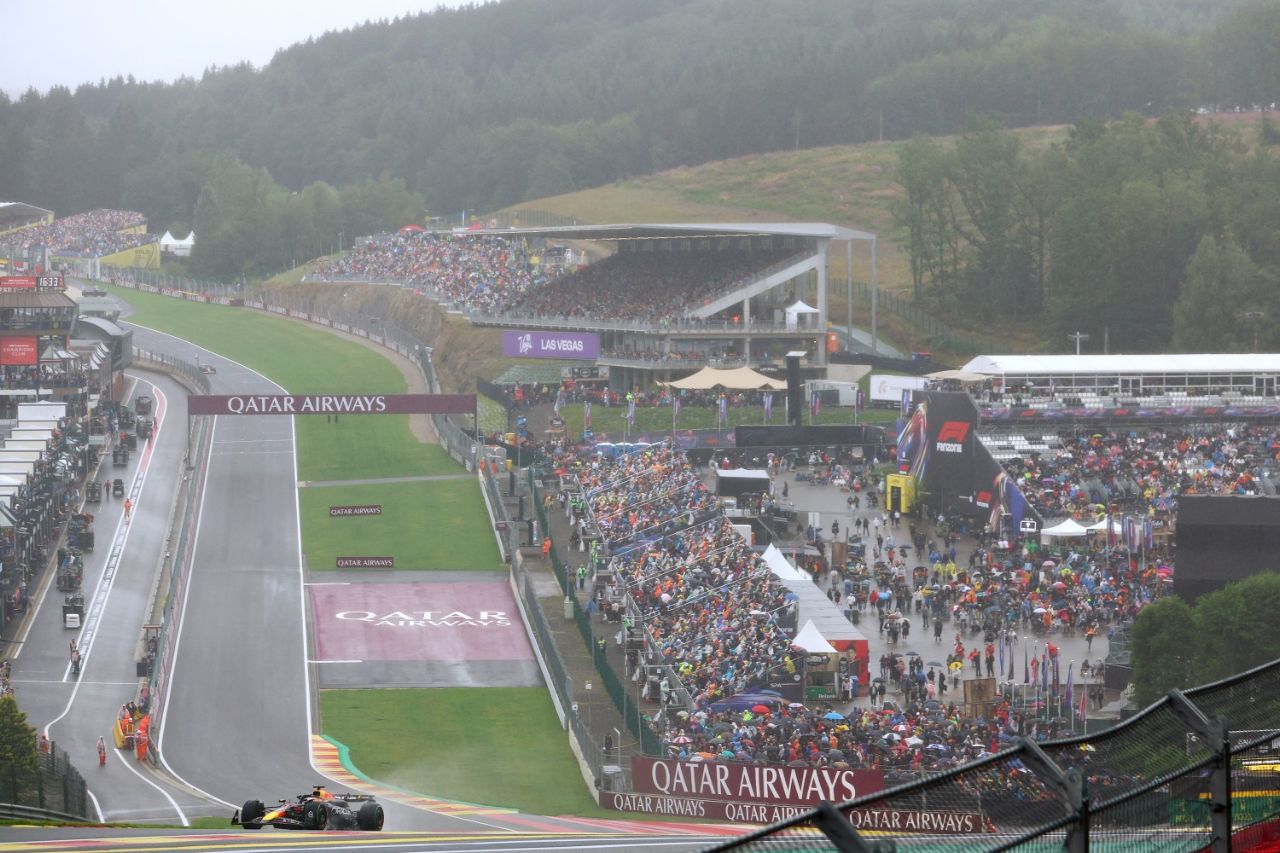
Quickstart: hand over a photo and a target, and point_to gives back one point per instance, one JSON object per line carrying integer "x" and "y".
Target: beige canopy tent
{"x": 734, "y": 379}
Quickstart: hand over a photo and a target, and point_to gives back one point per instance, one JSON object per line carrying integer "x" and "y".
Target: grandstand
{"x": 669, "y": 297}
{"x": 15, "y": 215}
{"x": 83, "y": 243}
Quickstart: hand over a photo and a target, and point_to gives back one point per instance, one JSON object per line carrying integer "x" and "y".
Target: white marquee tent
{"x": 795, "y": 310}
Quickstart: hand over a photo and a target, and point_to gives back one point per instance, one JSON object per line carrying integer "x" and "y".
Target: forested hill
{"x": 487, "y": 105}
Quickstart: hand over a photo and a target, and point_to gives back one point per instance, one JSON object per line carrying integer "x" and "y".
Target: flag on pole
{"x": 1057, "y": 674}
{"x": 1084, "y": 704}
{"x": 559, "y": 401}
{"x": 1026, "y": 667}
{"x": 586, "y": 415}
{"x": 724, "y": 411}
{"x": 1044, "y": 674}
{"x": 1071, "y": 696}
{"x": 815, "y": 403}
{"x": 1000, "y": 652}
{"x": 675, "y": 412}
{"x": 631, "y": 410}
{"x": 860, "y": 401}
{"x": 1011, "y": 657}
{"x": 768, "y": 406}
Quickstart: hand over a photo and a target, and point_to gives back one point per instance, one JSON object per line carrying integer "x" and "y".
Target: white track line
{"x": 96, "y": 807}
{"x": 302, "y": 599}
{"x": 20, "y": 640}
{"x": 177, "y": 641}
{"x": 106, "y": 583}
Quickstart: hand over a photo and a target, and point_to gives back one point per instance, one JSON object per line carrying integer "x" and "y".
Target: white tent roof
{"x": 957, "y": 375}
{"x": 811, "y": 640}
{"x": 743, "y": 473}
{"x": 1070, "y": 527}
{"x": 799, "y": 307}
{"x": 168, "y": 239}
{"x": 735, "y": 379}
{"x": 780, "y": 567}
{"x": 1102, "y": 525}
{"x": 1071, "y": 365}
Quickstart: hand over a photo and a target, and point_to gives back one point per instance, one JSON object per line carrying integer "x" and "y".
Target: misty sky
{"x": 68, "y": 42}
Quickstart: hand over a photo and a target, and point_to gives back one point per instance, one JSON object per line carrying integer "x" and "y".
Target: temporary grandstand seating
{"x": 1006, "y": 446}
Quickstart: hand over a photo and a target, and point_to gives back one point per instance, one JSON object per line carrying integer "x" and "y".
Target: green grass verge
{"x": 498, "y": 746}
{"x": 439, "y": 524}
{"x": 306, "y": 361}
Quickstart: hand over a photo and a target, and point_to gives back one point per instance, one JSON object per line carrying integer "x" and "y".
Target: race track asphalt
{"x": 239, "y": 712}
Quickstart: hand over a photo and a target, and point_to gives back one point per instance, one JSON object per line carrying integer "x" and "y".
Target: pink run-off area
{"x": 418, "y": 622}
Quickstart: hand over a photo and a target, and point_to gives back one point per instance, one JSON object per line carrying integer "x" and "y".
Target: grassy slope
{"x": 424, "y": 525}
{"x": 305, "y": 361}
{"x": 849, "y": 185}
{"x": 496, "y": 746}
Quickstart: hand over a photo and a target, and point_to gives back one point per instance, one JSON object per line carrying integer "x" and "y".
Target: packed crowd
{"x": 647, "y": 494}
{"x": 1144, "y": 472}
{"x": 475, "y": 273}
{"x": 94, "y": 234}
{"x": 498, "y": 275}
{"x": 649, "y": 287}
{"x": 934, "y": 736}
{"x": 715, "y": 613}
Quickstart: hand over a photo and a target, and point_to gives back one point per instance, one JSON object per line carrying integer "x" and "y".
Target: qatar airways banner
{"x": 332, "y": 404}
{"x": 581, "y": 345}
{"x": 751, "y": 783}
{"x": 750, "y": 793}
{"x": 880, "y": 819}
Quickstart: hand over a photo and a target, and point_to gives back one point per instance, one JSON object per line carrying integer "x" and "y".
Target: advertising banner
{"x": 751, "y": 783}
{"x": 30, "y": 282}
{"x": 352, "y": 511}
{"x": 18, "y": 351}
{"x": 882, "y": 819}
{"x": 578, "y": 345}
{"x": 331, "y": 404}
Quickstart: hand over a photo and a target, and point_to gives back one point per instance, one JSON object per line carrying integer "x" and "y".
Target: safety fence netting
{"x": 1166, "y": 779}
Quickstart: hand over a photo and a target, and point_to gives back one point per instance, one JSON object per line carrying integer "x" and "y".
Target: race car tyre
{"x": 251, "y": 813}
{"x": 369, "y": 818}
{"x": 315, "y": 815}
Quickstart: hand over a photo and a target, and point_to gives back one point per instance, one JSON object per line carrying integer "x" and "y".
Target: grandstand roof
{"x": 1076, "y": 365}
{"x": 21, "y": 210}
{"x": 666, "y": 231}
{"x": 35, "y": 299}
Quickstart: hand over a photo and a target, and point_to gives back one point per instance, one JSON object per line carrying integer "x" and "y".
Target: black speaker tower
{"x": 795, "y": 391}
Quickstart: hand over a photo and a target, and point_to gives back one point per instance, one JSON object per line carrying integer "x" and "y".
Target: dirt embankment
{"x": 461, "y": 351}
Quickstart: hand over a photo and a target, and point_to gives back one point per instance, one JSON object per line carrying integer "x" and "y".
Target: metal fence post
{"x": 1215, "y": 734}
{"x": 1070, "y": 786}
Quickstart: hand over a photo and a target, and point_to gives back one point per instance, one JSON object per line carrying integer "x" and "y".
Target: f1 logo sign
{"x": 951, "y": 437}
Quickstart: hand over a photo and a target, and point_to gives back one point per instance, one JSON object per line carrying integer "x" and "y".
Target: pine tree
{"x": 18, "y": 754}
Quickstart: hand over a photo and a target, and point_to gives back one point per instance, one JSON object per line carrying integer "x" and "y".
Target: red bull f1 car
{"x": 318, "y": 810}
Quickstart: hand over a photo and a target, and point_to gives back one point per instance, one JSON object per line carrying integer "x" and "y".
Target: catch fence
{"x": 1184, "y": 774}
{"x": 55, "y": 787}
